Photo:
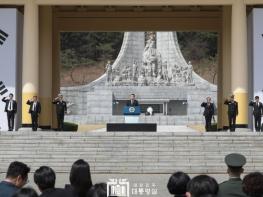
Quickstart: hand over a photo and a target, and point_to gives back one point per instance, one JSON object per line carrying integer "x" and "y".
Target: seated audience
{"x": 16, "y": 178}
{"x": 26, "y": 192}
{"x": 253, "y": 184}
{"x": 202, "y": 186}
{"x": 177, "y": 184}
{"x": 45, "y": 179}
{"x": 80, "y": 179}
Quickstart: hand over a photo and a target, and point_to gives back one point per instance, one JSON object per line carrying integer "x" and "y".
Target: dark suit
{"x": 257, "y": 112}
{"x": 232, "y": 114}
{"x": 231, "y": 188}
{"x": 61, "y": 109}
{"x": 55, "y": 192}
{"x": 34, "y": 111}
{"x": 132, "y": 104}
{"x": 7, "y": 189}
{"x": 208, "y": 113}
{"x": 10, "y": 113}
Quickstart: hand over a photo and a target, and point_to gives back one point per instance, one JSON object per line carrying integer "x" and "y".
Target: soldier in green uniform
{"x": 233, "y": 187}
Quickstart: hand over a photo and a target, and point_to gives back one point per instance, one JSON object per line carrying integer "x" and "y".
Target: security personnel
{"x": 232, "y": 112}
{"x": 233, "y": 187}
{"x": 208, "y": 113}
{"x": 257, "y": 112}
{"x": 34, "y": 110}
{"x": 61, "y": 109}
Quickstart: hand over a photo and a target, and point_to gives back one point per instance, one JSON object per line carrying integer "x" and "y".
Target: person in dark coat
{"x": 202, "y": 186}
{"x": 177, "y": 184}
{"x": 80, "y": 179}
{"x": 132, "y": 102}
{"x": 208, "y": 113}
{"x": 16, "y": 178}
{"x": 61, "y": 110}
{"x": 232, "y": 112}
{"x": 233, "y": 186}
{"x": 45, "y": 179}
{"x": 34, "y": 110}
{"x": 10, "y": 109}
{"x": 253, "y": 184}
{"x": 26, "y": 192}
{"x": 257, "y": 112}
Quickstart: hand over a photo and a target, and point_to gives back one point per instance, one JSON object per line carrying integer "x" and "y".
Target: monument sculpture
{"x": 151, "y": 71}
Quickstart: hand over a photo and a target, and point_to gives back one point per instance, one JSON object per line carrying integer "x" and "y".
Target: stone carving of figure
{"x": 134, "y": 71}
{"x": 109, "y": 72}
{"x": 141, "y": 79}
{"x": 190, "y": 73}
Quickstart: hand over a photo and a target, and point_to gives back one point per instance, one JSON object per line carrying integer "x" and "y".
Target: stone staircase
{"x": 135, "y": 153}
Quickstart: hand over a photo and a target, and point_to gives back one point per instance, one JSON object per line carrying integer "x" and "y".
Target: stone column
{"x": 239, "y": 69}
{"x": 45, "y": 65}
{"x": 224, "y": 70}
{"x": 30, "y": 67}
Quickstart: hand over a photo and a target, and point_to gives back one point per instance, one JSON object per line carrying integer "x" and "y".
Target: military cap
{"x": 235, "y": 160}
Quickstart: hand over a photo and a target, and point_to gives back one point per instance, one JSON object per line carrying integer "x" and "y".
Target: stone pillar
{"x": 239, "y": 63}
{"x": 45, "y": 65}
{"x": 224, "y": 78}
{"x": 30, "y": 67}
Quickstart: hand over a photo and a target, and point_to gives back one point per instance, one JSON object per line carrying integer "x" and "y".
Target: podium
{"x": 131, "y": 114}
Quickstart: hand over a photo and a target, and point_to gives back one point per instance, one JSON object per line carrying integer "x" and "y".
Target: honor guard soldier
{"x": 232, "y": 112}
{"x": 257, "y": 112}
{"x": 233, "y": 187}
{"x": 208, "y": 113}
{"x": 61, "y": 110}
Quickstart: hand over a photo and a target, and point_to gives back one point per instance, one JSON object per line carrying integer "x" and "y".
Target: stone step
{"x": 131, "y": 152}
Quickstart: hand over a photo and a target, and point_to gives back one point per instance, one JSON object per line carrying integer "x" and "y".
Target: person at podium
{"x": 132, "y": 102}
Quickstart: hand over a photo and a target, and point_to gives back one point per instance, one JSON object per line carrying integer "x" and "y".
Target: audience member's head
{"x": 235, "y": 163}
{"x": 17, "y": 173}
{"x": 177, "y": 183}
{"x": 202, "y": 186}
{"x": 80, "y": 178}
{"x": 26, "y": 192}
{"x": 98, "y": 190}
{"x": 45, "y": 178}
{"x": 253, "y": 184}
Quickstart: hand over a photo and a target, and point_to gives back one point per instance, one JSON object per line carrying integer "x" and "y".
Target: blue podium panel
{"x": 131, "y": 110}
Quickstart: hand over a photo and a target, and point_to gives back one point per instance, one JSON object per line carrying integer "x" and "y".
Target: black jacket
{"x": 55, "y": 192}
{"x": 257, "y": 109}
{"x": 209, "y": 109}
{"x": 38, "y": 107}
{"x": 135, "y": 103}
{"x": 7, "y": 103}
{"x": 61, "y": 106}
{"x": 232, "y": 107}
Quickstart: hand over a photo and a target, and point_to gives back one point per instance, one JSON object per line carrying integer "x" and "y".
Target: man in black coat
{"x": 208, "y": 113}
{"x": 45, "y": 179}
{"x": 132, "y": 102}
{"x": 257, "y": 112}
{"x": 61, "y": 109}
{"x": 34, "y": 110}
{"x": 232, "y": 112}
{"x": 16, "y": 178}
{"x": 10, "y": 109}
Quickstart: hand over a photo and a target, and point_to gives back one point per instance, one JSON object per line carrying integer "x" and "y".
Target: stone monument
{"x": 150, "y": 65}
